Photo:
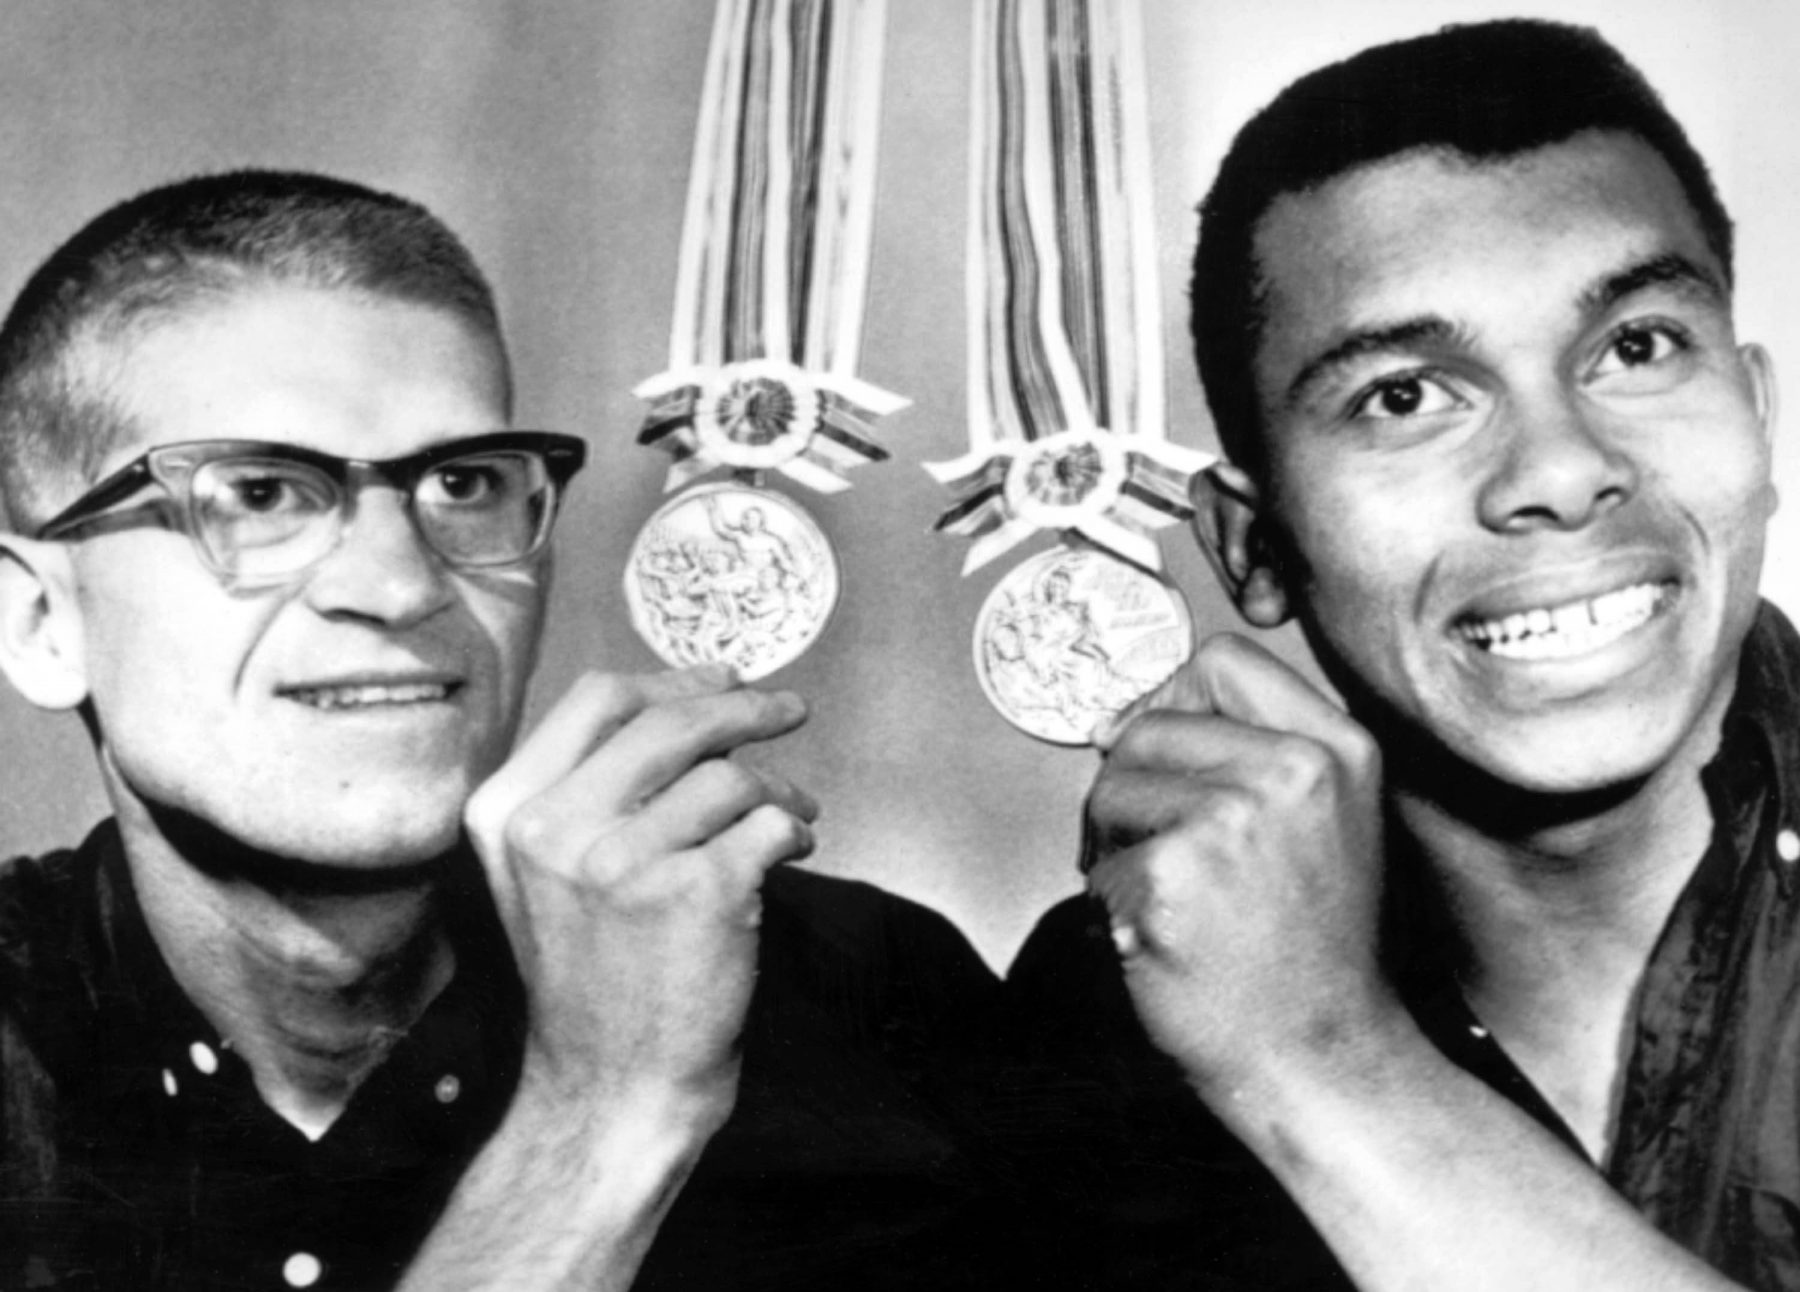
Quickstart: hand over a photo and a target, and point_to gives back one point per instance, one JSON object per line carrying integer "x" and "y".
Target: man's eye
{"x": 1409, "y": 396}
{"x": 462, "y": 484}
{"x": 465, "y": 484}
{"x": 262, "y": 495}
{"x": 479, "y": 482}
{"x": 1638, "y": 347}
{"x": 272, "y": 494}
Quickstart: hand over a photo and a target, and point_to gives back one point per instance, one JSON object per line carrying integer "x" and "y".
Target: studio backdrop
{"x": 555, "y": 136}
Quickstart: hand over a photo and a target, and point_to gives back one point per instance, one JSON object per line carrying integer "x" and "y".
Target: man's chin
{"x": 323, "y": 855}
{"x": 1511, "y": 780}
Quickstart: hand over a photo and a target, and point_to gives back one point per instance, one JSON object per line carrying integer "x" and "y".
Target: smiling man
{"x": 1494, "y": 968}
{"x": 348, "y": 984}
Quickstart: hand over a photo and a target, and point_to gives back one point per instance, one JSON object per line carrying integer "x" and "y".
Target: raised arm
{"x": 626, "y": 850}
{"x": 1235, "y": 835}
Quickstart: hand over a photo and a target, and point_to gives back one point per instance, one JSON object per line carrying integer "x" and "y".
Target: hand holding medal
{"x": 765, "y": 339}
{"x": 1066, "y": 418}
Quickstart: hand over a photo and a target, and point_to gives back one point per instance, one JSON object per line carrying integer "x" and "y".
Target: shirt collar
{"x": 1750, "y": 781}
{"x": 475, "y": 1024}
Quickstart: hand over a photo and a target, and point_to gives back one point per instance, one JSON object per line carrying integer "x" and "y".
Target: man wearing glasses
{"x": 348, "y": 984}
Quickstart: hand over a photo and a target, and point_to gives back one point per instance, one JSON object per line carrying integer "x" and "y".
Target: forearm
{"x": 1421, "y": 1177}
{"x": 562, "y": 1200}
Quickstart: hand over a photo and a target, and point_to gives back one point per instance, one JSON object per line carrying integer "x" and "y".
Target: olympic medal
{"x": 1073, "y": 636}
{"x": 728, "y": 574}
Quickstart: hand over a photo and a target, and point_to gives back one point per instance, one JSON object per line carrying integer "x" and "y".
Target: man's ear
{"x": 41, "y": 639}
{"x": 1233, "y": 532}
{"x": 1760, "y": 370}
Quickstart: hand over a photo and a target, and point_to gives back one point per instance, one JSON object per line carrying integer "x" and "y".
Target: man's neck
{"x": 311, "y": 987}
{"x": 1555, "y": 923}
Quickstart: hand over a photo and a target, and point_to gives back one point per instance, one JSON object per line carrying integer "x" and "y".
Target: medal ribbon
{"x": 1067, "y": 427}
{"x": 775, "y": 250}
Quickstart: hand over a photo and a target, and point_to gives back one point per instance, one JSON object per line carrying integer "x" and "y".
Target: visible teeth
{"x": 1572, "y": 629}
{"x": 354, "y": 697}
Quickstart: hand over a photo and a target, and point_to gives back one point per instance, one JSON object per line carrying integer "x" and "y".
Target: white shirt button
{"x": 1787, "y": 846}
{"x": 448, "y": 1088}
{"x": 204, "y": 1059}
{"x": 170, "y": 1085}
{"x": 301, "y": 1270}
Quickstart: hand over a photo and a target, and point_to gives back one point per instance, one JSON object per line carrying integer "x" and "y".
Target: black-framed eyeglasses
{"x": 262, "y": 513}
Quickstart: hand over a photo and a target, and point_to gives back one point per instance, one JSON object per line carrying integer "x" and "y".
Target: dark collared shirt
{"x": 1708, "y": 1141}
{"x": 136, "y": 1154}
{"x": 1156, "y": 1194}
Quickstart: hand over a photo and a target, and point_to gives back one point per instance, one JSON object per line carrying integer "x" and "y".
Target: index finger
{"x": 1235, "y": 678}
{"x": 588, "y": 714}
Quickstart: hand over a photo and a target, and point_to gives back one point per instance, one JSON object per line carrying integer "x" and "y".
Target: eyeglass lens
{"x": 262, "y": 517}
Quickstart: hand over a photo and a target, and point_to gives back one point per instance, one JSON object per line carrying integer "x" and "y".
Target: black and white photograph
{"x": 899, "y": 644}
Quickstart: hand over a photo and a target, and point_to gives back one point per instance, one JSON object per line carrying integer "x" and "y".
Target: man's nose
{"x": 1558, "y": 465}
{"x": 382, "y": 570}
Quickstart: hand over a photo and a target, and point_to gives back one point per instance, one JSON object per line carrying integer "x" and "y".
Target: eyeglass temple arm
{"x": 125, "y": 482}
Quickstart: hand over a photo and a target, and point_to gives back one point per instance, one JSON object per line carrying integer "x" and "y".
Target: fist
{"x": 1234, "y": 834}
{"x": 626, "y": 847}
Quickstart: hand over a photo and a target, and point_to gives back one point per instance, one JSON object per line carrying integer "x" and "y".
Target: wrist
{"x": 643, "y": 1109}
{"x": 1366, "y": 1054}
{"x": 570, "y": 1190}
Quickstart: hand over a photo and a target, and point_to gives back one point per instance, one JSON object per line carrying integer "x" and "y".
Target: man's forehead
{"x": 1430, "y": 233}
{"x": 275, "y": 360}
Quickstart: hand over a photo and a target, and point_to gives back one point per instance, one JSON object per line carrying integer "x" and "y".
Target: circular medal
{"x": 1073, "y": 636}
{"x": 733, "y": 575}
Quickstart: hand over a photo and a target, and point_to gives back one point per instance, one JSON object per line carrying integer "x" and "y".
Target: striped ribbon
{"x": 775, "y": 250}
{"x": 1067, "y": 426}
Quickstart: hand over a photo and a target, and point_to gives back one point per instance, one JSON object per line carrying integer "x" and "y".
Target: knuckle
{"x": 530, "y": 831}
{"x": 702, "y": 720}
{"x": 1361, "y": 753}
{"x": 1298, "y": 766}
{"x": 1220, "y": 655}
{"x": 483, "y": 815}
{"x": 775, "y": 833}
{"x": 704, "y": 884}
{"x": 1101, "y": 804}
{"x": 1160, "y": 866}
{"x": 1231, "y": 814}
{"x": 728, "y": 782}
{"x": 1142, "y": 742}
{"x": 596, "y": 689}
{"x": 1111, "y": 812}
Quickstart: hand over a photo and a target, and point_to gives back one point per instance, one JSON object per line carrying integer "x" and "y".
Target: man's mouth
{"x": 1573, "y": 628}
{"x": 370, "y": 695}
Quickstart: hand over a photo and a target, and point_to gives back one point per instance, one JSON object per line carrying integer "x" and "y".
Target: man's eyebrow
{"x": 1670, "y": 269}
{"x": 1406, "y": 334}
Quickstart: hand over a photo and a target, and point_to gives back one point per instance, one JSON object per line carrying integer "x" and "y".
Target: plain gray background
{"x": 554, "y": 136}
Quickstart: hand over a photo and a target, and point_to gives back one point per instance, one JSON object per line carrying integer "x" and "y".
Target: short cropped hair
{"x": 176, "y": 248}
{"x": 1486, "y": 91}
